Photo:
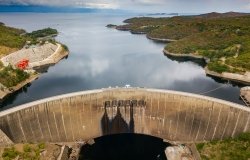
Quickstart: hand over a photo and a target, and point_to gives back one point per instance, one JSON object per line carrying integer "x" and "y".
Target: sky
{"x": 180, "y": 6}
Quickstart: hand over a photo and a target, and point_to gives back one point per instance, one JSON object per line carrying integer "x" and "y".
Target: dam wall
{"x": 171, "y": 115}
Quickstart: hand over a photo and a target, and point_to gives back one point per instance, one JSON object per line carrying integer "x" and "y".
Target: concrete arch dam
{"x": 171, "y": 115}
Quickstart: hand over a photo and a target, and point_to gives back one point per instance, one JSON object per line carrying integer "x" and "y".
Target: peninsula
{"x": 221, "y": 39}
{"x": 21, "y": 53}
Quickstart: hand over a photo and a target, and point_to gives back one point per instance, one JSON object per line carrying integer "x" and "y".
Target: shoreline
{"x": 234, "y": 77}
{"x": 161, "y": 39}
{"x": 239, "y": 78}
{"x": 8, "y": 91}
{"x": 54, "y": 58}
{"x": 190, "y": 55}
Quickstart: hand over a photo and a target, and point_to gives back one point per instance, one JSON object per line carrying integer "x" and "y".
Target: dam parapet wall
{"x": 171, "y": 115}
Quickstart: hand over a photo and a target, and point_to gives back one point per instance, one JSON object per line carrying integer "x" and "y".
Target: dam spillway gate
{"x": 171, "y": 115}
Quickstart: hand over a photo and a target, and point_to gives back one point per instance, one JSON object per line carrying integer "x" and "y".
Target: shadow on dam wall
{"x": 117, "y": 124}
{"x": 175, "y": 116}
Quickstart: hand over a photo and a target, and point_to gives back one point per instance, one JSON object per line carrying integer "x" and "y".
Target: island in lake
{"x": 221, "y": 39}
{"x": 22, "y": 53}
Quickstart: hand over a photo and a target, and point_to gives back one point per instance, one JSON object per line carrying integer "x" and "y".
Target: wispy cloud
{"x": 97, "y": 5}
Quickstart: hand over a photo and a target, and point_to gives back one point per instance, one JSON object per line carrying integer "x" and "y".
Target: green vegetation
{"x": 12, "y": 39}
{"x": 52, "y": 41}
{"x": 1, "y": 65}
{"x": 230, "y": 149}
{"x": 42, "y": 33}
{"x": 65, "y": 47}
{"x": 10, "y": 77}
{"x": 29, "y": 152}
{"x": 9, "y": 153}
{"x": 111, "y": 26}
{"x": 215, "y": 36}
{"x": 41, "y": 145}
{"x": 217, "y": 67}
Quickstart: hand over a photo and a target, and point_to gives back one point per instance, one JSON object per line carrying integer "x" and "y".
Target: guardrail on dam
{"x": 175, "y": 116}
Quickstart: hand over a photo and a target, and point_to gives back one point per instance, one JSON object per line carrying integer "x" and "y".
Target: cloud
{"x": 85, "y": 3}
{"x": 97, "y": 5}
{"x": 190, "y": 6}
{"x": 247, "y": 6}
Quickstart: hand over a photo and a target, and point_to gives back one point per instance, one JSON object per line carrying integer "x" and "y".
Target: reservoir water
{"x": 101, "y": 57}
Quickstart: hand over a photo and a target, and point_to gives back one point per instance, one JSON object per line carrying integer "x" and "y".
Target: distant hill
{"x": 224, "y": 38}
{"x": 222, "y": 15}
{"x": 162, "y": 14}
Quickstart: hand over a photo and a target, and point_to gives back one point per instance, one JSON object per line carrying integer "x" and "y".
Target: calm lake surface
{"x": 101, "y": 57}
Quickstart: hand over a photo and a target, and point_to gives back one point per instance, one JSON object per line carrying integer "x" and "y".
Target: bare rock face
{"x": 178, "y": 153}
{"x": 33, "y": 54}
{"x": 245, "y": 95}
